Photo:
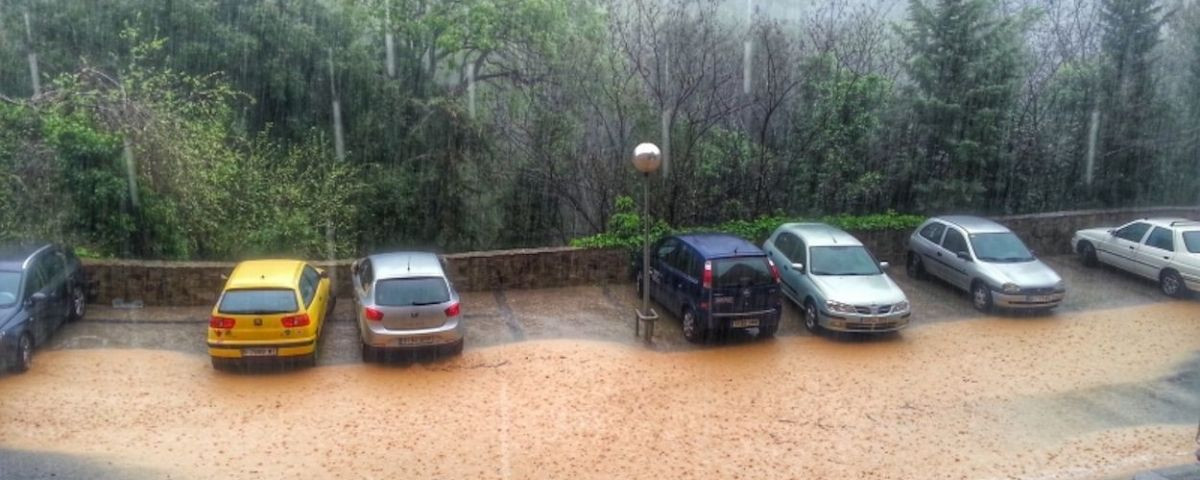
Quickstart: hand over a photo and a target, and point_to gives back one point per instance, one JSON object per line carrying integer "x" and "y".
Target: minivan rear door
{"x": 743, "y": 285}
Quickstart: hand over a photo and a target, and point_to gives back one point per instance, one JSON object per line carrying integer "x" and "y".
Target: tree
{"x": 1129, "y": 113}
{"x": 965, "y": 64}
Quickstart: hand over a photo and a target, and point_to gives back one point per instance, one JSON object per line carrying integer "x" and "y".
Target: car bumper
{"x": 1019, "y": 301}
{"x": 844, "y": 322}
{"x": 377, "y": 336}
{"x": 736, "y": 321}
{"x": 289, "y": 348}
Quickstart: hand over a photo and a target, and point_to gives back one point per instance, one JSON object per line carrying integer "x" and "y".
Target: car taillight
{"x": 221, "y": 322}
{"x": 452, "y": 310}
{"x": 293, "y": 321}
{"x": 774, "y": 270}
{"x": 707, "y": 275}
{"x": 372, "y": 314}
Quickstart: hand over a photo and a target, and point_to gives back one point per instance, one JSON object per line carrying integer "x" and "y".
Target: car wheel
{"x": 692, "y": 330}
{"x": 1172, "y": 284}
{"x": 369, "y": 354}
{"x": 812, "y": 319}
{"x": 24, "y": 353}
{"x": 308, "y": 361}
{"x": 453, "y": 349}
{"x": 914, "y": 268}
{"x": 1087, "y": 254}
{"x": 220, "y": 364}
{"x": 78, "y": 304}
{"x": 768, "y": 331}
{"x": 981, "y": 297}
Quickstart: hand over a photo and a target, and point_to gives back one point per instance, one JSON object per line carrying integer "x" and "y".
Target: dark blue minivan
{"x": 714, "y": 283}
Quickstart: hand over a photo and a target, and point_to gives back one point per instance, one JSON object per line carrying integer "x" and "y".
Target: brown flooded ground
{"x": 935, "y": 402}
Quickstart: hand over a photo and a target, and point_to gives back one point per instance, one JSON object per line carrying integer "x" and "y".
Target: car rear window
{"x": 1192, "y": 241}
{"x": 403, "y": 292}
{"x": 741, "y": 272}
{"x": 258, "y": 301}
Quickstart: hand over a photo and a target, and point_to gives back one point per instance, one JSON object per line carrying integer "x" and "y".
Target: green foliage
{"x": 625, "y": 226}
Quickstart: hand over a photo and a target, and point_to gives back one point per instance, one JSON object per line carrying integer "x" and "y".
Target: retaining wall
{"x": 199, "y": 283}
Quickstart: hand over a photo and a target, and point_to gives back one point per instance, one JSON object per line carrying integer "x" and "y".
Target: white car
{"x": 1162, "y": 249}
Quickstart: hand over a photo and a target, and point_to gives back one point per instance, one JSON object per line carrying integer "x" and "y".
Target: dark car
{"x": 41, "y": 287}
{"x": 714, "y": 283}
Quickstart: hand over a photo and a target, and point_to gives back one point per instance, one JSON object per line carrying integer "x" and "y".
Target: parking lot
{"x": 554, "y": 384}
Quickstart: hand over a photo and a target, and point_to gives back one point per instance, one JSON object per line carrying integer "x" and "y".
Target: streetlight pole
{"x": 646, "y": 159}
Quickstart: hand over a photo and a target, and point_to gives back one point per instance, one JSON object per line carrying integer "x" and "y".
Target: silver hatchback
{"x": 986, "y": 259}
{"x": 405, "y": 301}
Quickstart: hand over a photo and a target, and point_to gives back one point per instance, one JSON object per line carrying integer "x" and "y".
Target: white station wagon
{"x": 1162, "y": 249}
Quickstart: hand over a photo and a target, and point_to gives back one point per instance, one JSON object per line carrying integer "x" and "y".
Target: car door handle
{"x": 1166, "y": 258}
{"x": 939, "y": 254}
{"x": 1131, "y": 247}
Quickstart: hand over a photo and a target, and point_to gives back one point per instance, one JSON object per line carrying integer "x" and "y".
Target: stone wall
{"x": 199, "y": 283}
{"x": 157, "y": 283}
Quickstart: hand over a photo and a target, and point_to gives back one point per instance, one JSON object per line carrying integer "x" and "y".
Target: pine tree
{"x": 1129, "y": 114}
{"x": 965, "y": 64}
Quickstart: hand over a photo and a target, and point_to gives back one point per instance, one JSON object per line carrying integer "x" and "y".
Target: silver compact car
{"x": 405, "y": 301}
{"x": 837, "y": 282}
{"x": 986, "y": 259}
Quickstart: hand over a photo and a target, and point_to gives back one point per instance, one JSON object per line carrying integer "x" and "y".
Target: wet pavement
{"x": 553, "y": 383}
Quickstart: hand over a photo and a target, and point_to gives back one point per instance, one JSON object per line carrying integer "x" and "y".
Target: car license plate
{"x": 259, "y": 352}
{"x": 411, "y": 341}
{"x": 1037, "y": 298}
{"x": 745, "y": 323}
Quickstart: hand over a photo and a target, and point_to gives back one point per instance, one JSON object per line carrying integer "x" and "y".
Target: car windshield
{"x": 1002, "y": 247}
{"x": 742, "y": 272}
{"x": 847, "y": 260}
{"x": 1192, "y": 241}
{"x": 10, "y": 285}
{"x": 258, "y": 301}
{"x": 398, "y": 292}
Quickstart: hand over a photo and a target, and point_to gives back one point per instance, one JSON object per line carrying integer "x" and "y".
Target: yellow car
{"x": 270, "y": 309}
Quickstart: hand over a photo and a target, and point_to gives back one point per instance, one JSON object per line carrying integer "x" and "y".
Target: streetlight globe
{"x": 647, "y": 158}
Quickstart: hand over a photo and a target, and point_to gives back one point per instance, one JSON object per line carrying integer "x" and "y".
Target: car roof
{"x": 973, "y": 224}
{"x": 821, "y": 234}
{"x": 13, "y": 257}
{"x": 406, "y": 264}
{"x": 1167, "y": 222}
{"x": 266, "y": 274}
{"x": 718, "y": 245}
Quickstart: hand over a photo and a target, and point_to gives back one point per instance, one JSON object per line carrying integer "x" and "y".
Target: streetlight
{"x": 646, "y": 159}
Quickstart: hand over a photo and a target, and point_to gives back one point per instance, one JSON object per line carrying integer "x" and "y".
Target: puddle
{"x": 921, "y": 405}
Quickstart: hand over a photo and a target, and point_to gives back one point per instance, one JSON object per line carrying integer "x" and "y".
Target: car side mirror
{"x": 37, "y": 298}
{"x": 798, "y": 266}
{"x": 964, "y": 256}
{"x": 354, "y": 267}
{"x": 1112, "y": 232}
{"x": 323, "y": 273}
{"x": 884, "y": 265}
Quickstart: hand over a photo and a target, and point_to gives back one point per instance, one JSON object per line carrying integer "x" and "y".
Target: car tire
{"x": 454, "y": 349}
{"x": 812, "y": 317}
{"x": 24, "y": 354}
{"x": 768, "y": 331}
{"x": 369, "y": 354}
{"x": 1087, "y": 254}
{"x": 693, "y": 331}
{"x": 78, "y": 304}
{"x": 1172, "y": 284}
{"x": 220, "y": 364}
{"x": 981, "y": 297}
{"x": 914, "y": 268}
{"x": 308, "y": 361}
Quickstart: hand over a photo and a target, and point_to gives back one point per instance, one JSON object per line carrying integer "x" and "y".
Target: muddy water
{"x": 929, "y": 404}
